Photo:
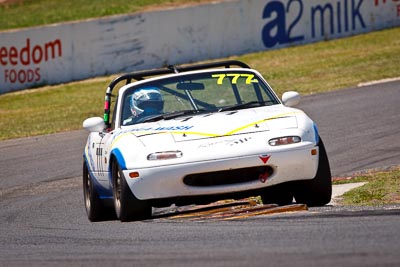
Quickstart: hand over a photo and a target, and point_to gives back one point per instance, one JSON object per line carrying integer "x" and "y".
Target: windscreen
{"x": 211, "y": 91}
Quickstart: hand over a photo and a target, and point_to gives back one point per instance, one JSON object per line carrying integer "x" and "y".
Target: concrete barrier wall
{"x": 74, "y": 51}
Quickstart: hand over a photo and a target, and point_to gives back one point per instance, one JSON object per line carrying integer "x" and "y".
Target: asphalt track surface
{"x": 43, "y": 222}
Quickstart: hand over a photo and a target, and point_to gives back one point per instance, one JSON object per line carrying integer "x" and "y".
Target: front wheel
{"x": 127, "y": 206}
{"x": 318, "y": 191}
{"x": 277, "y": 194}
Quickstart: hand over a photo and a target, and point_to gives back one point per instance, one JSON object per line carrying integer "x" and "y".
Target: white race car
{"x": 198, "y": 134}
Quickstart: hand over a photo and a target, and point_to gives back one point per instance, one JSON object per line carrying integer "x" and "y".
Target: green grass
{"x": 50, "y": 109}
{"x": 28, "y": 13}
{"x": 312, "y": 68}
{"x": 331, "y": 65}
{"x": 381, "y": 188}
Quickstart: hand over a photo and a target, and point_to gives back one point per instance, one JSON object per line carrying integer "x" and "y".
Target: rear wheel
{"x": 95, "y": 209}
{"x": 127, "y": 206}
{"x": 318, "y": 191}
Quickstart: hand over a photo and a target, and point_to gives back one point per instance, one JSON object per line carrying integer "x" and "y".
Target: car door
{"x": 96, "y": 148}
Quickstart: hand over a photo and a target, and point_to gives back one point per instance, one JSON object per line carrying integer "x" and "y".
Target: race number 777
{"x": 236, "y": 76}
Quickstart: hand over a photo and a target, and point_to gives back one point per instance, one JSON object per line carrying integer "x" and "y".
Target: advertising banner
{"x": 73, "y": 51}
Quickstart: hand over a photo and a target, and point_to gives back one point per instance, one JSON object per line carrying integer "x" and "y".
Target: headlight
{"x": 165, "y": 155}
{"x": 285, "y": 140}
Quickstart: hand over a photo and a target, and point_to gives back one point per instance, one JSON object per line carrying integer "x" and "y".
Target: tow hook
{"x": 267, "y": 172}
{"x": 263, "y": 177}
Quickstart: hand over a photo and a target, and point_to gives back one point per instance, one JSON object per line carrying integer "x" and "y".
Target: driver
{"x": 145, "y": 102}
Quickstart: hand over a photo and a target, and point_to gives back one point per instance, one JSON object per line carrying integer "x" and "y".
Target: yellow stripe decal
{"x": 260, "y": 121}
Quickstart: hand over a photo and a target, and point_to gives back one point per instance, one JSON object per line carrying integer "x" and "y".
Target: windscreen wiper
{"x": 244, "y": 105}
{"x": 169, "y": 116}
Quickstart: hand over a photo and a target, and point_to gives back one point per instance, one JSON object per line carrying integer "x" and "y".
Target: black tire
{"x": 95, "y": 208}
{"x": 127, "y": 206}
{"x": 278, "y": 194}
{"x": 318, "y": 191}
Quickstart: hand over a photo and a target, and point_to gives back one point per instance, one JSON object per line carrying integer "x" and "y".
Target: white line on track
{"x": 378, "y": 82}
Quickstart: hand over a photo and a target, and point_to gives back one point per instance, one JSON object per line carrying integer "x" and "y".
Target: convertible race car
{"x": 198, "y": 134}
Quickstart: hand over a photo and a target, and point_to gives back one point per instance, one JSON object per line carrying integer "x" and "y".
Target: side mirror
{"x": 94, "y": 124}
{"x": 291, "y": 98}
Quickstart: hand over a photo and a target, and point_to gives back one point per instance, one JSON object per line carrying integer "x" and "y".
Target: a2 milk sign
{"x": 288, "y": 22}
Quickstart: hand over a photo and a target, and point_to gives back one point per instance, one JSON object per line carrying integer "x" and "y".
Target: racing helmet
{"x": 147, "y": 101}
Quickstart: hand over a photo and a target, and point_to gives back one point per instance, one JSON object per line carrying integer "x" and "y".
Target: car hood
{"x": 219, "y": 124}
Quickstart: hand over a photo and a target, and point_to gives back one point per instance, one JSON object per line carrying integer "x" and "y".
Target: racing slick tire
{"x": 277, "y": 194}
{"x": 318, "y": 191}
{"x": 127, "y": 206}
{"x": 95, "y": 208}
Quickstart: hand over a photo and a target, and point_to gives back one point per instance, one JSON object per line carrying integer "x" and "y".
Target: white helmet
{"x": 147, "y": 101}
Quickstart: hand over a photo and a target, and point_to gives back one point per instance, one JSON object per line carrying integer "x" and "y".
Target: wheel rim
{"x": 117, "y": 189}
{"x": 87, "y": 192}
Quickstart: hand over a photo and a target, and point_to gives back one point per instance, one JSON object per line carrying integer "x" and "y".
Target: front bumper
{"x": 167, "y": 181}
